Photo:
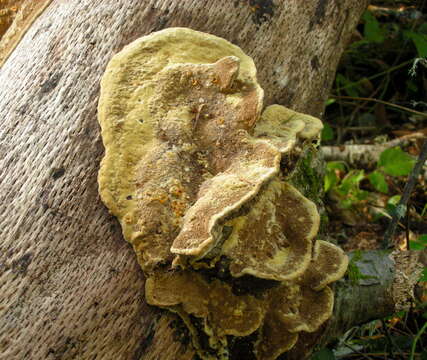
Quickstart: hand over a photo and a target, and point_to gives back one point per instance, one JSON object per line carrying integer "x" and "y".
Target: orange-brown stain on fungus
{"x": 199, "y": 191}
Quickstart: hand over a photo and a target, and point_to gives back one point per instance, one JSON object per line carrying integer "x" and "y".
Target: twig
{"x": 401, "y": 207}
{"x": 381, "y": 102}
{"x": 372, "y": 354}
{"x": 391, "y": 340}
{"x": 389, "y": 70}
{"x": 417, "y": 337}
{"x": 357, "y": 351}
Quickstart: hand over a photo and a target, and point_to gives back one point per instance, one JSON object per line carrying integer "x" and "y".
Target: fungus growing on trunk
{"x": 192, "y": 170}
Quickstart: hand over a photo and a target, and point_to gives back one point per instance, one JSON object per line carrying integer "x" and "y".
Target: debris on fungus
{"x": 192, "y": 170}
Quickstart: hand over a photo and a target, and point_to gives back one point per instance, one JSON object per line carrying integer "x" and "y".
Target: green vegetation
{"x": 378, "y": 96}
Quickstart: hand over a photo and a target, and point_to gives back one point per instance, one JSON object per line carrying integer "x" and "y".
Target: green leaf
{"x": 415, "y": 245}
{"x": 393, "y": 200}
{"x": 377, "y": 180}
{"x": 351, "y": 181}
{"x": 330, "y": 101}
{"x": 396, "y": 162}
{"x": 372, "y": 29}
{"x": 323, "y": 354}
{"x": 423, "y": 239}
{"x": 392, "y": 203}
{"x": 420, "y": 243}
{"x": 419, "y": 40}
{"x": 361, "y": 195}
{"x": 327, "y": 132}
{"x": 335, "y": 165}
{"x": 411, "y": 85}
{"x": 329, "y": 181}
{"x": 424, "y": 275}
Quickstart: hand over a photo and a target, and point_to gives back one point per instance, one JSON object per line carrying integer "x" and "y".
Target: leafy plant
{"x": 372, "y": 30}
{"x": 419, "y": 244}
{"x": 396, "y": 162}
{"x": 378, "y": 181}
{"x": 327, "y": 132}
{"x": 346, "y": 183}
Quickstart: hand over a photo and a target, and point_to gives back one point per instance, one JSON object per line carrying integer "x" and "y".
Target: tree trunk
{"x": 70, "y": 285}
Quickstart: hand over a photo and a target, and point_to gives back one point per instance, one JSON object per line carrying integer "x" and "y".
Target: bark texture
{"x": 70, "y": 287}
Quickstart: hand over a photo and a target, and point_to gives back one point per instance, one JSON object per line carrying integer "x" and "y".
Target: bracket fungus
{"x": 194, "y": 172}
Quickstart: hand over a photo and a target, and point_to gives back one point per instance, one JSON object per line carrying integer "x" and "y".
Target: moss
{"x": 307, "y": 177}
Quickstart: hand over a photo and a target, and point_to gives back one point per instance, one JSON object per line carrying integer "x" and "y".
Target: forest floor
{"x": 375, "y": 128}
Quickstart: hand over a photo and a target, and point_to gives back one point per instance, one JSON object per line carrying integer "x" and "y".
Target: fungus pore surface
{"x": 192, "y": 170}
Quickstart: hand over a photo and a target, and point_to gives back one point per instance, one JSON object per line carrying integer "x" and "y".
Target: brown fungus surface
{"x": 281, "y": 249}
{"x": 224, "y": 312}
{"x": 333, "y": 262}
{"x": 192, "y": 172}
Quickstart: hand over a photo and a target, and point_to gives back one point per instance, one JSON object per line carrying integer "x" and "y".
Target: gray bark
{"x": 70, "y": 287}
{"x": 366, "y": 156}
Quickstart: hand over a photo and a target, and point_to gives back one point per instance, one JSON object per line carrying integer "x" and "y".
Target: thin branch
{"x": 402, "y": 206}
{"x": 389, "y": 70}
{"x": 357, "y": 352}
{"x": 365, "y": 155}
{"x": 391, "y": 340}
{"x": 414, "y": 343}
{"x": 403, "y": 108}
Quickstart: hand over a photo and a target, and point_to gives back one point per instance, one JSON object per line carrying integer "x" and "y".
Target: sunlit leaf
{"x": 392, "y": 203}
{"x": 329, "y": 181}
{"x": 393, "y": 200}
{"x": 330, "y": 101}
{"x": 377, "y": 180}
{"x": 335, "y": 165}
{"x": 396, "y": 162}
{"x": 351, "y": 180}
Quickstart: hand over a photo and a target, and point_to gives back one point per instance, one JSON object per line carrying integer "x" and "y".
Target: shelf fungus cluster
{"x": 193, "y": 170}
